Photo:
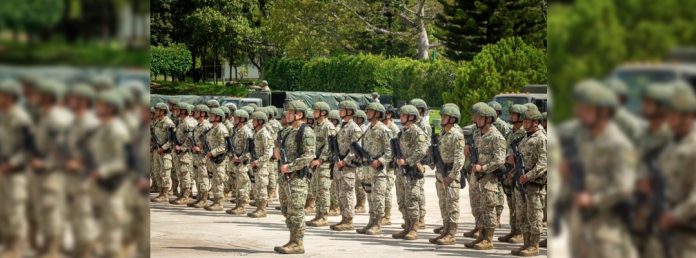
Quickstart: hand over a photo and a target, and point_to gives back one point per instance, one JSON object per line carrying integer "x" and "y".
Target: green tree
{"x": 172, "y": 60}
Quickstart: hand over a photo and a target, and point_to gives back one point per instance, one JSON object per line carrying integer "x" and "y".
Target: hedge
{"x": 171, "y": 60}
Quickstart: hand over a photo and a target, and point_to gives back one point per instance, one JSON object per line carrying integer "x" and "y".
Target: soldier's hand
{"x": 252, "y": 164}
{"x": 401, "y": 162}
{"x": 467, "y": 151}
{"x": 94, "y": 175}
{"x": 73, "y": 166}
{"x": 209, "y": 155}
{"x": 177, "y": 148}
{"x": 523, "y": 179}
{"x": 447, "y": 181}
{"x": 667, "y": 221}
{"x": 340, "y": 164}
{"x": 376, "y": 164}
{"x": 37, "y": 164}
{"x": 160, "y": 151}
{"x": 510, "y": 160}
{"x": 583, "y": 200}
{"x": 315, "y": 163}
{"x": 477, "y": 168}
{"x": 196, "y": 149}
{"x": 284, "y": 169}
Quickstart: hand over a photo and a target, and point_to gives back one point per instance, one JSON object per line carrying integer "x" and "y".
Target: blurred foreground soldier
{"x": 490, "y": 146}
{"x": 171, "y": 105}
{"x": 51, "y": 134}
{"x": 298, "y": 148}
{"x": 545, "y": 121}
{"x": 15, "y": 134}
{"x": 424, "y": 124}
{"x": 345, "y": 168}
{"x": 184, "y": 141}
{"x": 504, "y": 129}
{"x": 531, "y": 184}
{"x": 604, "y": 167}
{"x": 413, "y": 143}
{"x": 273, "y": 127}
{"x": 393, "y": 132}
{"x": 629, "y": 123}
{"x": 377, "y": 147}
{"x": 517, "y": 133}
{"x": 375, "y": 97}
{"x": 163, "y": 131}
{"x": 678, "y": 161}
{"x": 215, "y": 152}
{"x": 263, "y": 150}
{"x": 360, "y": 177}
{"x": 80, "y": 99}
{"x": 239, "y": 161}
{"x": 451, "y": 148}
{"x": 200, "y": 162}
{"x": 212, "y": 104}
{"x": 108, "y": 148}
{"x": 334, "y": 208}
{"x": 321, "y": 178}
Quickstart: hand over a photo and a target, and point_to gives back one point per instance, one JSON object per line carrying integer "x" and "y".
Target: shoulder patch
{"x": 309, "y": 140}
{"x": 421, "y": 138}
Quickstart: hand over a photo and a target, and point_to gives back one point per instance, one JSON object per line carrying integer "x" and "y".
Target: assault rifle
{"x": 397, "y": 153}
{"x": 436, "y": 157}
{"x": 335, "y": 153}
{"x": 206, "y": 149}
{"x": 660, "y": 204}
{"x": 473, "y": 158}
{"x": 518, "y": 170}
{"x": 251, "y": 148}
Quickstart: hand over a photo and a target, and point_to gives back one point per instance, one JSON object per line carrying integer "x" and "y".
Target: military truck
{"x": 195, "y": 100}
{"x": 508, "y": 99}
{"x": 638, "y": 75}
{"x": 279, "y": 98}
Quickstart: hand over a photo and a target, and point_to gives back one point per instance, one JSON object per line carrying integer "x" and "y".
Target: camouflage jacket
{"x": 678, "y": 161}
{"x": 393, "y": 130}
{"x": 107, "y": 147}
{"x": 649, "y": 141}
{"x": 51, "y": 133}
{"x": 533, "y": 149}
{"x": 491, "y": 155}
{"x": 503, "y": 127}
{"x": 216, "y": 139}
{"x": 451, "y": 145}
{"x": 300, "y": 156}
{"x": 350, "y": 132}
{"x": 13, "y": 125}
{"x": 240, "y": 136}
{"x": 514, "y": 136}
{"x": 162, "y": 127}
{"x": 376, "y": 143}
{"x": 263, "y": 145}
{"x": 184, "y": 130}
{"x": 323, "y": 131}
{"x": 413, "y": 143}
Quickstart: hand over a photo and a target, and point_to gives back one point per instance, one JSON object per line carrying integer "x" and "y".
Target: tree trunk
{"x": 203, "y": 65}
{"x": 193, "y": 67}
{"x": 423, "y": 41}
{"x": 236, "y": 75}
{"x": 215, "y": 67}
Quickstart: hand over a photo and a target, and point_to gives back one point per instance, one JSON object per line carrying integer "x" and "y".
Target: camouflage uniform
{"x": 282, "y": 181}
{"x": 200, "y": 162}
{"x": 361, "y": 172}
{"x": 474, "y": 193}
{"x": 185, "y": 158}
{"x": 350, "y": 132}
{"x": 505, "y": 129}
{"x": 162, "y": 136}
{"x": 274, "y": 128}
{"x": 321, "y": 179}
{"x": 263, "y": 146}
{"x": 512, "y": 201}
{"x": 424, "y": 124}
{"x": 240, "y": 170}
{"x": 393, "y": 132}
{"x": 216, "y": 141}
{"x": 230, "y": 182}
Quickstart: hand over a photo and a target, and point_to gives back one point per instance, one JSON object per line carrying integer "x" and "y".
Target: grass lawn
{"x": 80, "y": 54}
{"x": 191, "y": 88}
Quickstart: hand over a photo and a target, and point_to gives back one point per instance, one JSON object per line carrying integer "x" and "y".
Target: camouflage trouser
{"x": 421, "y": 201}
{"x": 448, "y": 199}
{"x": 272, "y": 175}
{"x": 155, "y": 167}
{"x": 487, "y": 205}
{"x": 510, "y": 198}
{"x": 474, "y": 200}
{"x": 530, "y": 217}
{"x": 334, "y": 191}
{"x": 202, "y": 180}
{"x": 400, "y": 194}
{"x": 217, "y": 185}
{"x": 80, "y": 208}
{"x": 603, "y": 236}
{"x": 113, "y": 218}
{"x": 412, "y": 190}
{"x": 242, "y": 183}
{"x": 139, "y": 208}
{"x": 684, "y": 245}
{"x": 261, "y": 182}
{"x": 51, "y": 203}
{"x": 321, "y": 185}
{"x": 346, "y": 191}
{"x": 390, "y": 187}
{"x": 501, "y": 201}
{"x": 283, "y": 194}
{"x": 185, "y": 170}
{"x": 379, "y": 182}
{"x": 230, "y": 183}
{"x": 360, "y": 177}
{"x": 14, "y": 196}
{"x": 175, "y": 171}
{"x": 297, "y": 196}
{"x": 165, "y": 171}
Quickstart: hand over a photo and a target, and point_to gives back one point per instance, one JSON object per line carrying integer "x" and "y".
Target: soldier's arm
{"x": 169, "y": 125}
{"x": 308, "y": 149}
{"x": 539, "y": 168}
{"x": 419, "y": 150}
{"x": 221, "y": 148}
{"x": 117, "y": 161}
{"x": 355, "y": 137}
{"x": 624, "y": 179}
{"x": 384, "y": 138}
{"x": 20, "y": 157}
{"x": 459, "y": 158}
{"x": 499, "y": 146}
{"x": 266, "y": 141}
{"x": 325, "y": 152}
{"x": 685, "y": 212}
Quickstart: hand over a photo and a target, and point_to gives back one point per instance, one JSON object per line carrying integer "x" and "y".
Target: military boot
{"x": 487, "y": 243}
{"x": 198, "y": 199}
{"x": 260, "y": 211}
{"x": 533, "y": 248}
{"x": 479, "y": 238}
{"x": 497, "y": 221}
{"x": 216, "y": 206}
{"x": 506, "y": 237}
{"x": 375, "y": 229}
{"x": 296, "y": 245}
{"x": 386, "y": 220}
{"x": 360, "y": 205}
{"x": 319, "y": 221}
{"x": 52, "y": 248}
{"x": 334, "y": 210}
{"x": 184, "y": 199}
{"x": 272, "y": 194}
{"x": 153, "y": 188}
{"x": 163, "y": 196}
{"x": 442, "y": 231}
{"x": 542, "y": 243}
{"x": 524, "y": 246}
{"x": 278, "y": 208}
{"x": 85, "y": 250}
{"x": 450, "y": 235}
{"x": 239, "y": 210}
{"x": 345, "y": 224}
{"x": 421, "y": 223}
{"x": 412, "y": 231}
{"x": 310, "y": 207}
{"x": 474, "y": 233}
{"x": 13, "y": 249}
{"x": 174, "y": 191}
{"x": 366, "y": 227}
{"x": 402, "y": 233}
{"x": 203, "y": 200}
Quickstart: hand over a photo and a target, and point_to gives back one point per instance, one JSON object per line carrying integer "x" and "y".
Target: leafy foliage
{"x": 203, "y": 89}
{"x": 173, "y": 60}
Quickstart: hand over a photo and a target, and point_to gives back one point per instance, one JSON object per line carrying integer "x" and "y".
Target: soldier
{"x": 491, "y": 157}
{"x": 200, "y": 162}
{"x": 229, "y": 183}
{"x": 250, "y": 110}
{"x": 162, "y": 134}
{"x": 413, "y": 144}
{"x": 393, "y": 132}
{"x": 424, "y": 123}
{"x": 282, "y": 182}
{"x": 375, "y": 97}
{"x": 239, "y": 161}
{"x": 474, "y": 193}
{"x": 334, "y": 208}
{"x": 310, "y": 204}
{"x": 14, "y": 155}
{"x": 310, "y": 120}
{"x": 602, "y": 147}
{"x": 175, "y": 156}
{"x": 516, "y": 117}
{"x": 263, "y": 148}
{"x": 217, "y": 148}
{"x": 321, "y": 179}
{"x": 377, "y": 145}
{"x": 504, "y": 129}
{"x": 299, "y": 148}
{"x": 360, "y": 177}
{"x": 110, "y": 158}
{"x": 184, "y": 140}
{"x": 545, "y": 120}
{"x": 273, "y": 127}
{"x": 629, "y": 123}
{"x": 212, "y": 104}
{"x": 80, "y": 100}
{"x": 349, "y": 133}
{"x": 451, "y": 147}
{"x": 51, "y": 134}
{"x": 530, "y": 211}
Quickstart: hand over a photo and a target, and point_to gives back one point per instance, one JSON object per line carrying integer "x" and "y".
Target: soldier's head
{"x": 334, "y": 117}
{"x": 532, "y": 119}
{"x": 227, "y": 111}
{"x": 102, "y": 82}
{"x": 682, "y": 110}
{"x": 283, "y": 119}
{"x": 375, "y": 95}
{"x": 185, "y": 109}
{"x": 375, "y": 111}
{"x": 171, "y": 102}
{"x": 320, "y": 110}
{"x": 619, "y": 88}
{"x": 408, "y": 114}
{"x": 216, "y": 115}
{"x": 201, "y": 111}
{"x": 110, "y": 104}
{"x": 391, "y": 113}
{"x": 484, "y": 116}
{"x": 421, "y": 105}
{"x": 259, "y": 119}
{"x": 594, "y": 103}
{"x": 495, "y": 105}
{"x": 161, "y": 110}
{"x": 248, "y": 108}
{"x": 449, "y": 114}
{"x": 10, "y": 92}
{"x": 517, "y": 113}
{"x": 655, "y": 99}
{"x": 240, "y": 117}
{"x": 296, "y": 111}
{"x": 80, "y": 97}
{"x": 360, "y": 117}
{"x": 309, "y": 118}
{"x": 212, "y": 103}
{"x": 347, "y": 109}
{"x": 175, "y": 109}
{"x": 51, "y": 92}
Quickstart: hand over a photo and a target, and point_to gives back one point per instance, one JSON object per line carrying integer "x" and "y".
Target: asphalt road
{"x": 188, "y": 232}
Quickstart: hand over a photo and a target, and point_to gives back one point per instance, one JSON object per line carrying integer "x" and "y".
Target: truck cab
{"x": 508, "y": 99}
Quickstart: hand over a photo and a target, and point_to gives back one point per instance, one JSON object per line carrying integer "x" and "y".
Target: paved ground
{"x": 189, "y": 232}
